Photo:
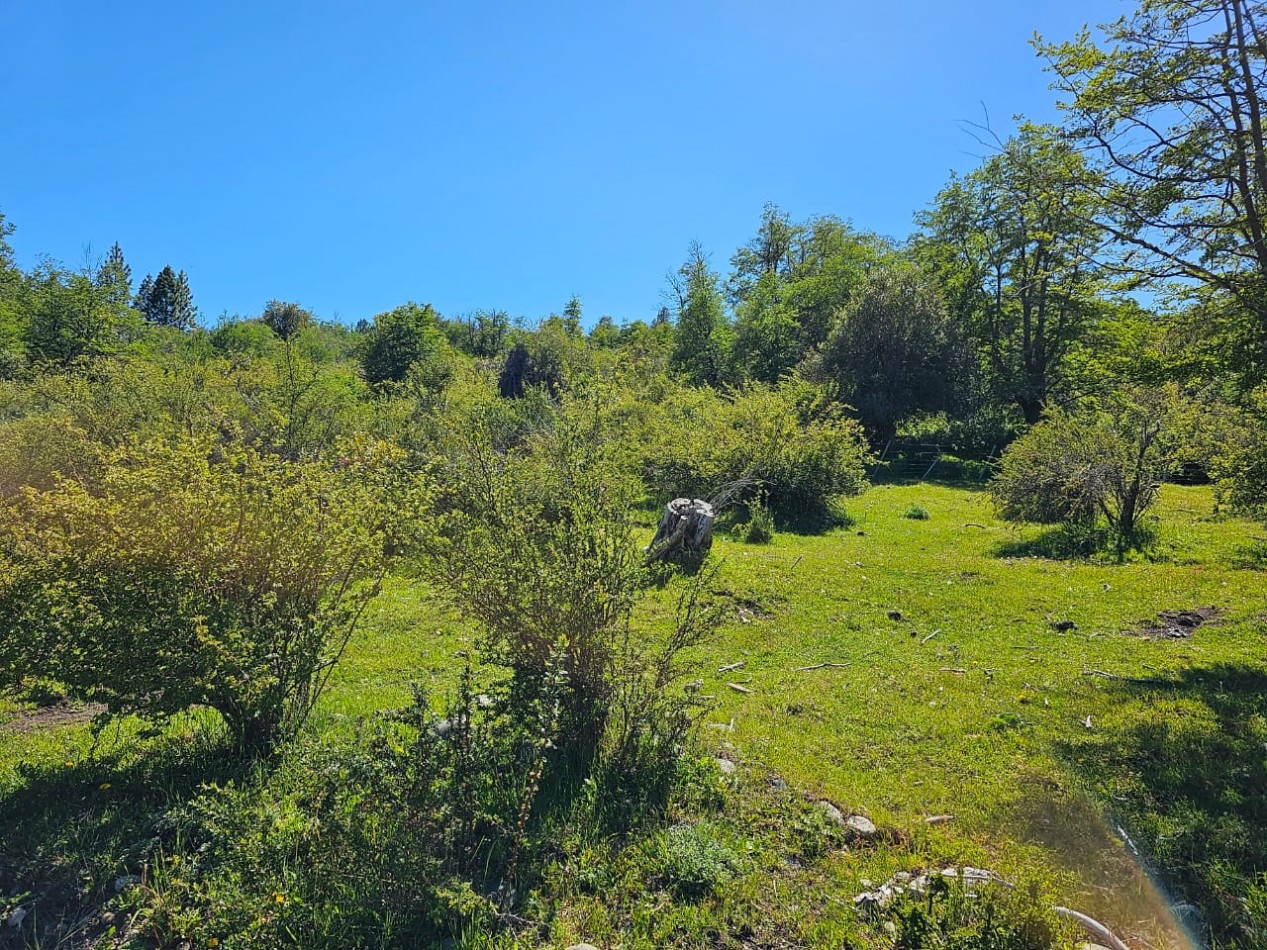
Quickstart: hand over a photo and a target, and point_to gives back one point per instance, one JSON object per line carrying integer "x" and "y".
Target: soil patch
{"x": 51, "y": 717}
{"x": 1177, "y": 624}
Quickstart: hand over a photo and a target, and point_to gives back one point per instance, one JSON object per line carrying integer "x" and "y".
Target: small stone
{"x": 582, "y": 946}
{"x": 16, "y": 918}
{"x": 938, "y": 819}
{"x": 777, "y": 782}
{"x": 124, "y": 881}
{"x": 726, "y": 766}
{"x": 861, "y": 827}
{"x": 832, "y": 812}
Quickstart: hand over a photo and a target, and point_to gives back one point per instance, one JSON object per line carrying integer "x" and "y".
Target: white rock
{"x": 832, "y": 812}
{"x": 861, "y": 826}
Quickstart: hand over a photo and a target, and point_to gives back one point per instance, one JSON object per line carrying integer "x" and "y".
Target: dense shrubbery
{"x": 791, "y": 441}
{"x": 188, "y": 575}
{"x": 1104, "y": 463}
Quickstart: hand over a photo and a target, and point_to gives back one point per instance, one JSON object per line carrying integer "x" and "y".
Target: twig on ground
{"x": 820, "y": 666}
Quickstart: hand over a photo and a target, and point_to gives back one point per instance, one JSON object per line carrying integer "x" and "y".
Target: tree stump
{"x": 686, "y": 530}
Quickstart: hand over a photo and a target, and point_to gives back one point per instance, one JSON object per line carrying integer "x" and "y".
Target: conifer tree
{"x": 166, "y": 300}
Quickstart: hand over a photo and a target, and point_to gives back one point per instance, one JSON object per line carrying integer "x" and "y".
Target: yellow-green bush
{"x": 191, "y": 575}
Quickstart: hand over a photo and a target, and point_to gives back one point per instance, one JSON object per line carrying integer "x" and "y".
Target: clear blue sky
{"x": 351, "y": 155}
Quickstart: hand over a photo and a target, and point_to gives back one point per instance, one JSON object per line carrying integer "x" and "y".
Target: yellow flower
{"x": 70, "y": 765}
{"x": 212, "y": 942}
{"x": 279, "y": 897}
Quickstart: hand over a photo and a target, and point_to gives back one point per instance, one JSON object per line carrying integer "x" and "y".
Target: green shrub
{"x": 533, "y": 538}
{"x": 916, "y": 513}
{"x": 759, "y": 528}
{"x": 1107, "y": 462}
{"x": 692, "y": 860}
{"x": 791, "y": 442}
{"x": 950, "y": 916}
{"x": 190, "y": 576}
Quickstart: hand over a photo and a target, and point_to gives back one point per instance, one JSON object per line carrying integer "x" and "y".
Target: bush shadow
{"x": 71, "y": 829}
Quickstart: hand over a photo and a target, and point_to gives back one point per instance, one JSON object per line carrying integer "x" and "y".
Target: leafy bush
{"x": 792, "y": 442}
{"x": 759, "y": 528}
{"x": 533, "y": 538}
{"x": 1241, "y": 465}
{"x": 190, "y": 576}
{"x": 916, "y": 513}
{"x": 950, "y": 916}
{"x": 1079, "y": 467}
{"x": 692, "y": 860}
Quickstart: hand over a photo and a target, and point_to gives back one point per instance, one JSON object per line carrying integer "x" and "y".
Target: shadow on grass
{"x": 1073, "y": 542}
{"x": 1187, "y": 776}
{"x": 70, "y": 829}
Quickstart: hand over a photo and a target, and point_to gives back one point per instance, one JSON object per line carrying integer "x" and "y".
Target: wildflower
{"x": 279, "y": 897}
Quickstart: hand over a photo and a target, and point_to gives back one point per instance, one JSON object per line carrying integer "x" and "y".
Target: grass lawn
{"x": 902, "y": 667}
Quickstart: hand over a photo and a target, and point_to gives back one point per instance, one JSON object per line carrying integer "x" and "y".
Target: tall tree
{"x": 701, "y": 340}
{"x": 771, "y": 251}
{"x": 892, "y": 354}
{"x": 1014, "y": 244}
{"x": 12, "y": 311}
{"x": 166, "y": 300}
{"x": 71, "y": 317}
{"x": 1170, "y": 105}
{"x": 115, "y": 276}
{"x": 767, "y": 334}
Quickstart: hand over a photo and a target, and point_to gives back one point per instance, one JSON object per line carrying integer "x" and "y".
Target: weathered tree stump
{"x": 686, "y": 530}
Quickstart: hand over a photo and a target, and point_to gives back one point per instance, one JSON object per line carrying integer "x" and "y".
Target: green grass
{"x": 971, "y": 703}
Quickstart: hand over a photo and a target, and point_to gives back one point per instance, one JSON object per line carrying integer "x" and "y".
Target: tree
{"x": 701, "y": 342}
{"x": 572, "y": 315}
{"x": 115, "y": 276}
{"x": 1170, "y": 107}
{"x": 71, "y": 316}
{"x": 1014, "y": 244}
{"x": 286, "y": 320}
{"x": 192, "y": 576}
{"x": 12, "y": 310}
{"x": 402, "y": 339}
{"x": 770, "y": 252}
{"x": 767, "y": 344}
{"x": 482, "y": 334}
{"x": 892, "y": 354}
{"x": 166, "y": 300}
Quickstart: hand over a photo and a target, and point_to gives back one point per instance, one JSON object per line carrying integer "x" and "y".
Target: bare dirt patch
{"x": 1177, "y": 624}
{"x": 51, "y": 717}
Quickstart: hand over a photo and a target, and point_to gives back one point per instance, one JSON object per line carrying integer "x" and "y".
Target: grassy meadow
{"x": 922, "y": 661}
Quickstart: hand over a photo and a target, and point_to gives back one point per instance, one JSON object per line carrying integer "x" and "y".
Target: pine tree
{"x": 115, "y": 277}
{"x": 166, "y": 300}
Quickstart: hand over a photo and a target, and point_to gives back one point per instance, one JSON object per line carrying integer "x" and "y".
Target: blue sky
{"x": 350, "y": 155}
